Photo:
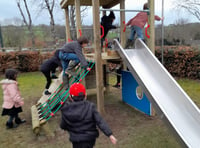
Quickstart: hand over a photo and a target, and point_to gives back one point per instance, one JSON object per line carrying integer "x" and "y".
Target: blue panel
{"x": 130, "y": 95}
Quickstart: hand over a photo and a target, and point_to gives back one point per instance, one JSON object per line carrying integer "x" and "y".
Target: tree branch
{"x": 21, "y": 12}
{"x": 29, "y": 15}
{"x": 192, "y": 6}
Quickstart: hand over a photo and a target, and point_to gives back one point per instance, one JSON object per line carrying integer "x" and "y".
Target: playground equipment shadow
{"x": 131, "y": 128}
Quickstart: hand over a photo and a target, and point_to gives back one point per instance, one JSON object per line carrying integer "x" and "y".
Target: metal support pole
{"x": 126, "y": 10}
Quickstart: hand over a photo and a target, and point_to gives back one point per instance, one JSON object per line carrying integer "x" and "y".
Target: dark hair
{"x": 112, "y": 15}
{"x": 145, "y": 6}
{"x": 78, "y": 98}
{"x": 82, "y": 40}
{"x": 11, "y": 74}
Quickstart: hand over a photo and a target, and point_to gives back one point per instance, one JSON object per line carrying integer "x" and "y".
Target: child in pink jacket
{"x": 12, "y": 100}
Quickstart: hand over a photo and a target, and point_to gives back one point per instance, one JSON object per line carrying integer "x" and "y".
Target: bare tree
{"x": 84, "y": 13}
{"x": 72, "y": 16}
{"x": 181, "y": 21}
{"x": 14, "y": 36}
{"x": 17, "y": 21}
{"x": 28, "y": 22}
{"x": 49, "y": 5}
{"x": 180, "y": 27}
{"x": 192, "y": 6}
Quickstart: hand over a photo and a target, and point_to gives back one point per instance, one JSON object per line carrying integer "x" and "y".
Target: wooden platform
{"x": 111, "y": 56}
{"x": 106, "y": 57}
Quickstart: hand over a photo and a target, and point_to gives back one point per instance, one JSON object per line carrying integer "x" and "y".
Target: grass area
{"x": 192, "y": 88}
{"x": 132, "y": 128}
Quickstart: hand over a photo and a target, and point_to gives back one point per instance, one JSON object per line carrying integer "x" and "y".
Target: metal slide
{"x": 170, "y": 101}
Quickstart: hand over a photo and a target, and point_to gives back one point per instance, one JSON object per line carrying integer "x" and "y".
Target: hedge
{"x": 180, "y": 61}
{"x": 24, "y": 61}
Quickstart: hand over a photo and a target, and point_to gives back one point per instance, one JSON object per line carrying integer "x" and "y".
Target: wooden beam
{"x": 151, "y": 30}
{"x": 122, "y": 24}
{"x": 109, "y": 3}
{"x": 78, "y": 18}
{"x": 103, "y": 3}
{"x": 98, "y": 58}
{"x": 63, "y": 3}
{"x": 68, "y": 34}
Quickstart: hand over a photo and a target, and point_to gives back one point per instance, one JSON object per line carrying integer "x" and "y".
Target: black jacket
{"x": 106, "y": 22}
{"x": 50, "y": 65}
{"x": 81, "y": 119}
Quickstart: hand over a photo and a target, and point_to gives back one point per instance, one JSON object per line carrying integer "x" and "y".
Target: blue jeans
{"x": 138, "y": 31}
{"x": 65, "y": 58}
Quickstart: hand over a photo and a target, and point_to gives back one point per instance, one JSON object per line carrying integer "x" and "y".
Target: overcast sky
{"x": 9, "y": 10}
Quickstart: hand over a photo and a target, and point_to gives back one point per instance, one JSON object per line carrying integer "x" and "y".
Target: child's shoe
{"x": 65, "y": 79}
{"x": 71, "y": 72}
{"x": 11, "y": 125}
{"x": 54, "y": 77}
{"x": 71, "y": 68}
{"x": 47, "y": 92}
{"x": 19, "y": 121}
{"x": 117, "y": 85}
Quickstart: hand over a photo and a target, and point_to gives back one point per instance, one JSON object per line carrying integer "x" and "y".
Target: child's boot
{"x": 65, "y": 82}
{"x": 53, "y": 76}
{"x": 70, "y": 69}
{"x": 10, "y": 125}
{"x": 46, "y": 92}
{"x": 128, "y": 43}
{"x": 19, "y": 121}
{"x": 117, "y": 85}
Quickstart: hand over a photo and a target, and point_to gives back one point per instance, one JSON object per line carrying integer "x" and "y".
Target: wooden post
{"x": 35, "y": 120}
{"x": 78, "y": 18}
{"x": 122, "y": 26}
{"x": 122, "y": 23}
{"x": 151, "y": 30}
{"x": 68, "y": 34}
{"x": 98, "y": 58}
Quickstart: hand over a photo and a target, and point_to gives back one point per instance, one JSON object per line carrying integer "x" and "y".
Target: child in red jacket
{"x": 12, "y": 100}
{"x": 137, "y": 24}
{"x": 80, "y": 118}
